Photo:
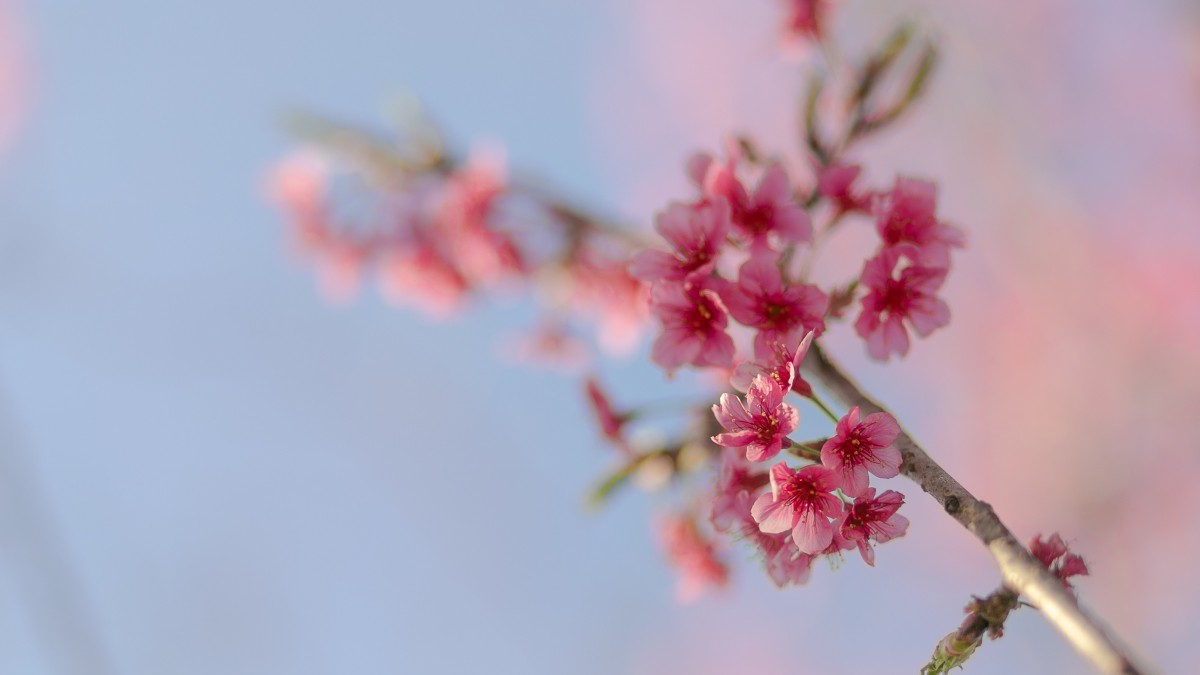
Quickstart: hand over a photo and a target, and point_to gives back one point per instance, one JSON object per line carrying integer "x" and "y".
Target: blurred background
{"x": 206, "y": 468}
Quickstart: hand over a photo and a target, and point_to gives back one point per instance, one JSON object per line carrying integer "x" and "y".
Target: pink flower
{"x": 805, "y": 20}
{"x": 906, "y": 216}
{"x": 762, "y": 425}
{"x": 787, "y": 566}
{"x": 784, "y": 563}
{"x": 465, "y": 218}
{"x": 1054, "y": 555}
{"x": 693, "y": 555}
{"x": 611, "y": 424}
{"x": 872, "y": 518}
{"x": 422, "y": 276}
{"x": 603, "y": 291}
{"x": 737, "y": 479}
{"x": 769, "y": 209}
{"x": 799, "y": 501}
{"x": 782, "y": 314}
{"x": 780, "y": 364}
{"x": 693, "y": 320}
{"x": 861, "y": 447}
{"x": 835, "y": 182}
{"x": 695, "y": 232}
{"x": 892, "y": 301}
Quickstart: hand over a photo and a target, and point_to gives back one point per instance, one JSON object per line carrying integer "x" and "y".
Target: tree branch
{"x": 1019, "y": 569}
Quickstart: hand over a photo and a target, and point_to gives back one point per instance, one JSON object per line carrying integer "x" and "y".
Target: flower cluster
{"x": 903, "y": 278}
{"x": 434, "y": 233}
{"x": 822, "y": 508}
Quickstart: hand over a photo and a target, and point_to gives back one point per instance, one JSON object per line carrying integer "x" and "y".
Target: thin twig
{"x": 1019, "y": 569}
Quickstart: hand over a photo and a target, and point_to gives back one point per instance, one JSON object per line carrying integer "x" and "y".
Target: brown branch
{"x": 1019, "y": 569}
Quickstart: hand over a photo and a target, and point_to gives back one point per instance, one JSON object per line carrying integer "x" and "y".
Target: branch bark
{"x": 1019, "y": 569}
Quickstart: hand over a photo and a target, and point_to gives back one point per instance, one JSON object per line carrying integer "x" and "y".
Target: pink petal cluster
{"x": 604, "y": 293}
{"x": 781, "y": 363}
{"x": 435, "y": 238}
{"x": 836, "y": 182}
{"x": 805, "y": 20}
{"x": 693, "y": 327}
{"x": 907, "y": 216}
{"x": 873, "y": 519}
{"x": 761, "y": 425}
{"x": 859, "y": 447}
{"x": 735, "y": 477}
{"x": 466, "y": 212}
{"x": 738, "y": 481}
{"x": 420, "y": 275}
{"x": 801, "y": 502}
{"x": 693, "y": 555}
{"x": 696, "y": 233}
{"x": 782, "y": 313}
{"x": 897, "y": 299}
{"x": 1053, "y": 553}
{"x": 769, "y": 209}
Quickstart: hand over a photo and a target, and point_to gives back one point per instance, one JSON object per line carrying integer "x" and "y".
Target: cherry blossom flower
{"x": 1053, "y": 553}
{"x": 420, "y": 275}
{"x": 805, "y": 20}
{"x": 781, "y": 364}
{"x": 696, "y": 233}
{"x": 694, "y": 321}
{"x": 465, "y": 215}
{"x": 861, "y": 447}
{"x": 892, "y": 301}
{"x": 604, "y": 292}
{"x": 835, "y": 182}
{"x": 783, "y": 562}
{"x": 781, "y": 313}
{"x": 872, "y": 518}
{"x": 800, "y": 501}
{"x": 693, "y": 555}
{"x": 761, "y": 425}
{"x": 906, "y": 216}
{"x": 787, "y": 566}
{"x": 769, "y": 209}
{"x": 737, "y": 478}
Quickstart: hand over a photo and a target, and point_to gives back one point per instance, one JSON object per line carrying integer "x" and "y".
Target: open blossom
{"x": 906, "y": 215}
{"x": 781, "y": 363}
{"x": 692, "y": 555}
{"x": 465, "y": 214}
{"x": 836, "y": 182}
{"x": 422, "y": 276}
{"x": 769, "y": 209}
{"x": 892, "y": 302}
{"x": 859, "y": 447}
{"x": 604, "y": 292}
{"x": 761, "y": 425}
{"x": 800, "y": 501}
{"x": 783, "y": 562}
{"x": 1053, "y": 553}
{"x": 872, "y": 518}
{"x": 693, "y": 321}
{"x": 696, "y": 233}
{"x": 737, "y": 478}
{"x": 781, "y": 313}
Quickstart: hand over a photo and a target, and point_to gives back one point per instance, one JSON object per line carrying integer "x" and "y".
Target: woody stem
{"x": 1019, "y": 569}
